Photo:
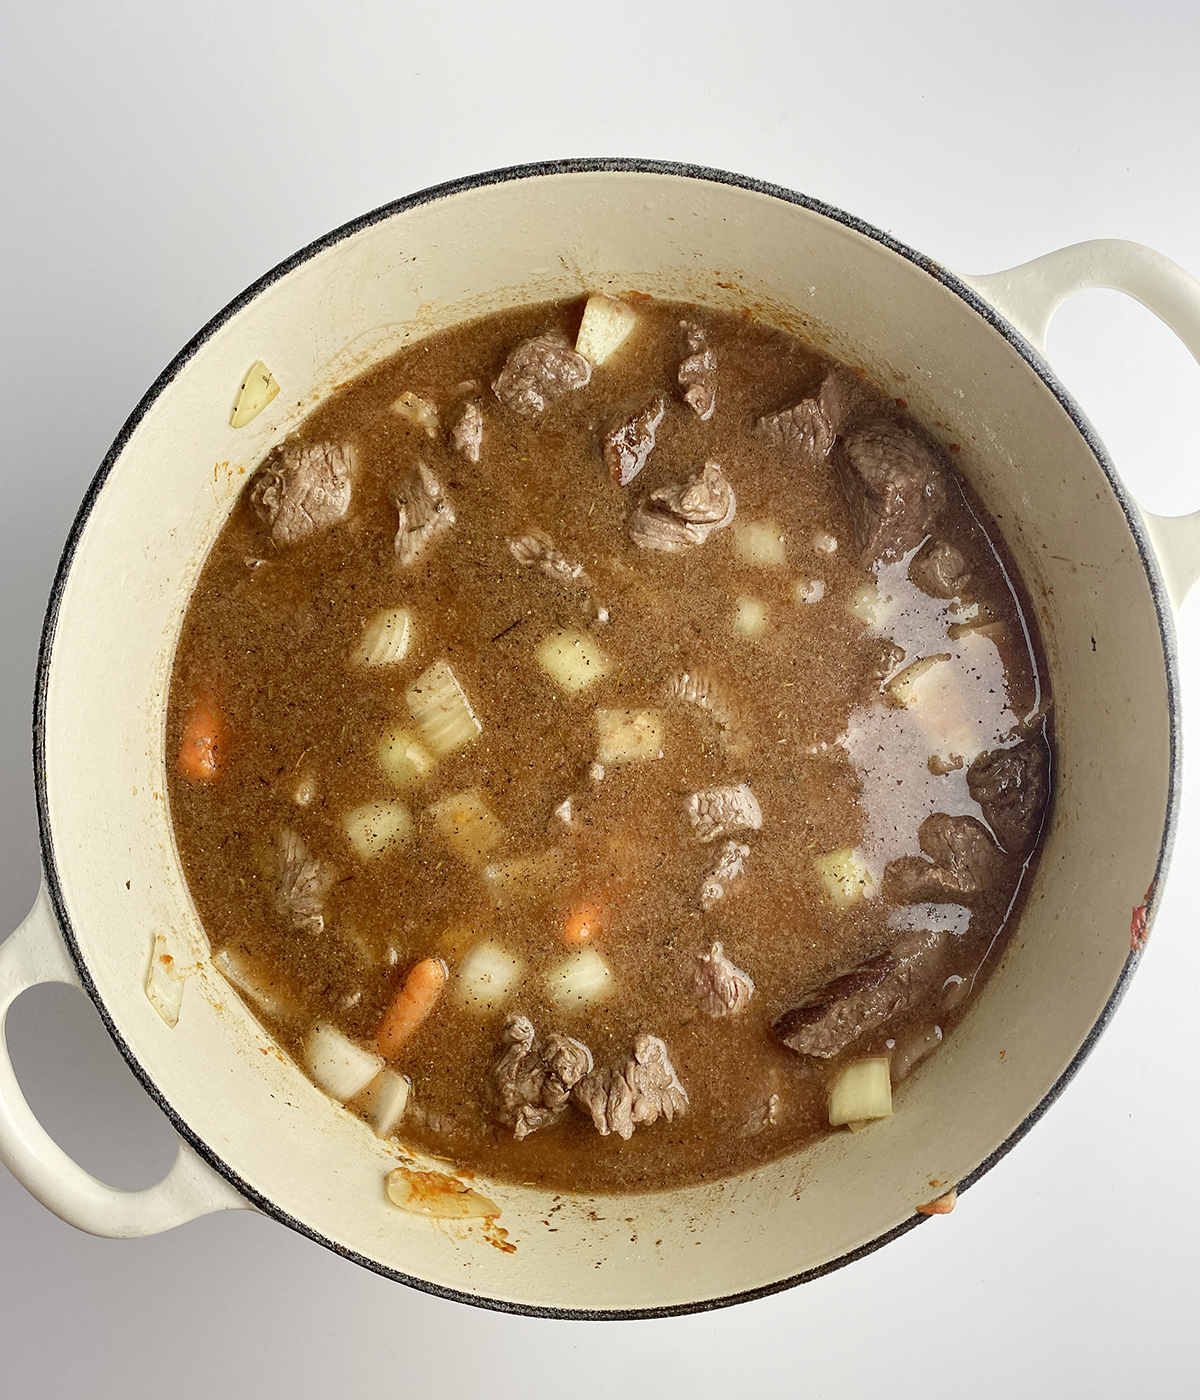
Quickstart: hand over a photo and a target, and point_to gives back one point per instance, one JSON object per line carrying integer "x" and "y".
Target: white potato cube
{"x": 750, "y": 618}
{"x": 464, "y": 821}
{"x": 845, "y": 876}
{"x": 441, "y": 709}
{"x": 861, "y": 1090}
{"x": 257, "y": 390}
{"x": 385, "y": 1099}
{"x": 606, "y": 325}
{"x": 376, "y": 827}
{"x": 761, "y": 543}
{"x": 487, "y": 977}
{"x": 584, "y": 979}
{"x": 340, "y": 1067}
{"x": 164, "y": 982}
{"x": 385, "y": 639}
{"x": 629, "y": 736}
{"x": 403, "y": 757}
{"x": 417, "y": 411}
{"x": 870, "y": 606}
{"x": 572, "y": 660}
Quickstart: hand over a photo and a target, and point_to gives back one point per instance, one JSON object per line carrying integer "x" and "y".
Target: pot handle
{"x": 1028, "y": 296}
{"x": 36, "y": 953}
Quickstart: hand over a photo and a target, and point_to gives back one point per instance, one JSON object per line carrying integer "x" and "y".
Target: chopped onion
{"x": 257, "y": 391}
{"x": 860, "y": 1091}
{"x": 340, "y": 1067}
{"x": 164, "y": 982}
{"x": 441, "y": 710}
{"x": 403, "y": 757}
{"x": 418, "y": 411}
{"x": 385, "y": 638}
{"x": 256, "y": 985}
{"x": 385, "y": 1098}
{"x": 438, "y": 1195}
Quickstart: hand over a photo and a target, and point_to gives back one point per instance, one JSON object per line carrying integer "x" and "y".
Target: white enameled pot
{"x": 963, "y": 352}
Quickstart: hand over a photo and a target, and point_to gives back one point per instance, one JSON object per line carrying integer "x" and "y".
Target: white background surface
{"x": 156, "y": 160}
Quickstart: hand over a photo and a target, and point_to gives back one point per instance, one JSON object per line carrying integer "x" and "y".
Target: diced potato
{"x": 164, "y": 982}
{"x": 761, "y": 543}
{"x": 385, "y": 638}
{"x": 441, "y": 710}
{"x": 524, "y": 876}
{"x": 584, "y": 979}
{"x": 437, "y": 1195}
{"x": 606, "y": 325}
{"x": 572, "y": 660}
{"x": 870, "y": 606}
{"x": 257, "y": 391}
{"x": 629, "y": 736}
{"x": 750, "y": 618}
{"x": 860, "y": 1091}
{"x": 340, "y": 1067}
{"x": 257, "y": 985}
{"x": 487, "y": 977}
{"x": 403, "y": 757}
{"x": 385, "y": 1098}
{"x": 418, "y": 411}
{"x": 464, "y": 821}
{"x": 376, "y": 827}
{"x": 845, "y": 876}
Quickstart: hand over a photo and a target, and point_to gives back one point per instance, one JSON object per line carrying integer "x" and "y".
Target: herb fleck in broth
{"x": 830, "y": 726}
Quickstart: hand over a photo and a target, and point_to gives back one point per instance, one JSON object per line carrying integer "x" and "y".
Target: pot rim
{"x": 1142, "y": 915}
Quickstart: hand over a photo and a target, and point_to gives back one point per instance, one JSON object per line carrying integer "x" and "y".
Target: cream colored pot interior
{"x": 412, "y": 273}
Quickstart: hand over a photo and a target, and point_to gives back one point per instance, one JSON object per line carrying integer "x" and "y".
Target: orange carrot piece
{"x": 202, "y": 748}
{"x": 584, "y": 921}
{"x": 415, "y": 1000}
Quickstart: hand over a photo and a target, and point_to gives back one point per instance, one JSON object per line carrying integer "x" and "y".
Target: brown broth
{"x": 271, "y": 641}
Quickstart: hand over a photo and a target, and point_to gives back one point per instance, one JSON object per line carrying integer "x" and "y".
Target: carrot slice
{"x": 414, "y": 1001}
{"x": 202, "y": 748}
{"x": 584, "y": 921}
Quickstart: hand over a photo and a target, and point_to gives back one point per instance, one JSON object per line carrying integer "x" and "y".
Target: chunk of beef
{"x": 536, "y": 549}
{"x": 837, "y": 1014}
{"x": 715, "y": 812}
{"x": 808, "y": 430}
{"x": 539, "y": 370}
{"x": 895, "y": 487}
{"x": 729, "y": 866}
{"x": 940, "y": 570}
{"x": 301, "y": 885}
{"x": 1012, "y": 786}
{"x": 532, "y": 1080}
{"x": 636, "y": 1093}
{"x": 683, "y": 515}
{"x": 466, "y": 430}
{"x": 698, "y": 373}
{"x": 424, "y": 513}
{"x": 300, "y": 490}
{"x": 724, "y": 989}
{"x": 628, "y": 444}
{"x": 964, "y": 864}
